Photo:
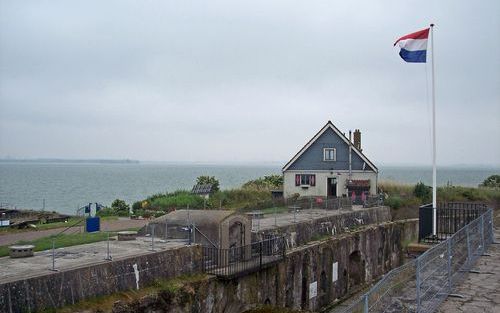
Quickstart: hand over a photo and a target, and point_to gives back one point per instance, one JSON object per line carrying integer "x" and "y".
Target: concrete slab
{"x": 289, "y": 218}
{"x": 78, "y": 256}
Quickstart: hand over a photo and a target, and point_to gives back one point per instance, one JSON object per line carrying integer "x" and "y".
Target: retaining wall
{"x": 361, "y": 257}
{"x": 303, "y": 232}
{"x": 70, "y": 286}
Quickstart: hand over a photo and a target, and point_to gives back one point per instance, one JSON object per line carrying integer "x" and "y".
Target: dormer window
{"x": 329, "y": 154}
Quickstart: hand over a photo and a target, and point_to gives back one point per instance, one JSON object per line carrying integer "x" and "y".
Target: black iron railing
{"x": 450, "y": 217}
{"x": 233, "y": 262}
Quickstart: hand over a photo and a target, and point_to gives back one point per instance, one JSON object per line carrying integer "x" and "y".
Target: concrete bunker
{"x": 221, "y": 229}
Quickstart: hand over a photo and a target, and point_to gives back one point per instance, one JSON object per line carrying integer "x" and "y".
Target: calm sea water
{"x": 66, "y": 186}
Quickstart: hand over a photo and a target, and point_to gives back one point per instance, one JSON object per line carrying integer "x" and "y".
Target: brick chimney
{"x": 357, "y": 139}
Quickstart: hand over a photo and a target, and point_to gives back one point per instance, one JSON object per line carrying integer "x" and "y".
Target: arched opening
{"x": 380, "y": 256}
{"x": 356, "y": 270}
{"x": 236, "y": 241}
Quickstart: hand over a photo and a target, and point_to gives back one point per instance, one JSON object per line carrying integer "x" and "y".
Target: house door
{"x": 331, "y": 187}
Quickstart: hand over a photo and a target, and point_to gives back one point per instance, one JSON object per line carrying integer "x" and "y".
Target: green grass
{"x": 46, "y": 226}
{"x": 63, "y": 240}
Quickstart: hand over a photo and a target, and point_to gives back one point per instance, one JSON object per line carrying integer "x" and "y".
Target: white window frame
{"x": 325, "y": 150}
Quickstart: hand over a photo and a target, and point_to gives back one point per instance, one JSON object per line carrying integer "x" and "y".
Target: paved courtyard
{"x": 481, "y": 291}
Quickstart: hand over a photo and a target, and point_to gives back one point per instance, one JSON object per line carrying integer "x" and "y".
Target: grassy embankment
{"x": 46, "y": 226}
{"x": 253, "y": 195}
{"x": 404, "y": 199}
{"x": 63, "y": 240}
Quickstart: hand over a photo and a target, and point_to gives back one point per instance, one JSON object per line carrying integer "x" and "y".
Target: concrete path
{"x": 110, "y": 225}
{"x": 481, "y": 291}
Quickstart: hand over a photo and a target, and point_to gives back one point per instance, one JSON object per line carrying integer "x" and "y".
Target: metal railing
{"x": 450, "y": 218}
{"x": 422, "y": 284}
{"x": 232, "y": 262}
{"x": 319, "y": 202}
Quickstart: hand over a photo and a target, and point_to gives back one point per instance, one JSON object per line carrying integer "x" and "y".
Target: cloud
{"x": 244, "y": 81}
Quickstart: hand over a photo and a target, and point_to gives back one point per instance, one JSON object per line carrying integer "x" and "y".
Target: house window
{"x": 329, "y": 154}
{"x": 305, "y": 179}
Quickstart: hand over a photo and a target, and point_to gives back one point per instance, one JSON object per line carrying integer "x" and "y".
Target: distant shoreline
{"x": 70, "y": 161}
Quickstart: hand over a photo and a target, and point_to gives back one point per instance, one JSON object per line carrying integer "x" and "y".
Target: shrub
{"x": 177, "y": 200}
{"x": 491, "y": 182}
{"x": 137, "y": 206}
{"x": 120, "y": 207}
{"x": 423, "y": 192}
{"x": 209, "y": 180}
{"x": 265, "y": 183}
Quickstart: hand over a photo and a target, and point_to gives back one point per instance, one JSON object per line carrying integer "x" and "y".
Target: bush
{"x": 120, "y": 207}
{"x": 106, "y": 212}
{"x": 209, "y": 180}
{"x": 265, "y": 183}
{"x": 491, "y": 182}
{"x": 423, "y": 192}
{"x": 137, "y": 206}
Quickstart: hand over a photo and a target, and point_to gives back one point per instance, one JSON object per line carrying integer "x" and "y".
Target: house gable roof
{"x": 329, "y": 125}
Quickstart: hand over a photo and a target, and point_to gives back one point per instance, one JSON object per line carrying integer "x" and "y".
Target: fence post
{"x": 260, "y": 253}
{"x": 417, "y": 274}
{"x": 482, "y": 234}
{"x": 152, "y": 237}
{"x": 54, "y": 255}
{"x": 449, "y": 264}
{"x": 492, "y": 239}
{"x": 366, "y": 303}
{"x": 108, "y": 253}
{"x": 469, "y": 255}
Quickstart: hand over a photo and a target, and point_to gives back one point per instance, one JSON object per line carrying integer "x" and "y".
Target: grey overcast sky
{"x": 245, "y": 81}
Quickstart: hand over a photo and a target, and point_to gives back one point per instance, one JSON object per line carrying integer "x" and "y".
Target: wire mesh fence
{"x": 422, "y": 284}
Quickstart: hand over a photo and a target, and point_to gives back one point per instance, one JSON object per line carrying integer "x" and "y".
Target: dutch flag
{"x": 414, "y": 46}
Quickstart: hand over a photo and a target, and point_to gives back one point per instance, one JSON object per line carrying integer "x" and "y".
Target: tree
{"x": 203, "y": 180}
{"x": 492, "y": 182}
{"x": 120, "y": 207}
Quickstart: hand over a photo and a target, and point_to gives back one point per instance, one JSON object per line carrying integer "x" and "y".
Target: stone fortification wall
{"x": 311, "y": 277}
{"x": 70, "y": 286}
{"x": 300, "y": 233}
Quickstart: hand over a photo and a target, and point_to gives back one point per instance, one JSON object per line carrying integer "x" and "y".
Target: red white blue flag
{"x": 414, "y": 46}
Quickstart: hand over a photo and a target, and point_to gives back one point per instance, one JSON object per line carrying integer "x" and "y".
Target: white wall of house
{"x": 320, "y": 189}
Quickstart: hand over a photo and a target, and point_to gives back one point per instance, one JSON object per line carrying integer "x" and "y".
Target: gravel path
{"x": 110, "y": 225}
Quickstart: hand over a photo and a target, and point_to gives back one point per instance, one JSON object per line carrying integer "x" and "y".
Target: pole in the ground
{"x": 53, "y": 255}
{"x": 434, "y": 187}
{"x": 152, "y": 237}
{"x": 108, "y": 253}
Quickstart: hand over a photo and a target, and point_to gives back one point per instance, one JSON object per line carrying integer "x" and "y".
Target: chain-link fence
{"x": 422, "y": 284}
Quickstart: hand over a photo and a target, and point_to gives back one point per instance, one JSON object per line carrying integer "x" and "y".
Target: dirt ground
{"x": 111, "y": 225}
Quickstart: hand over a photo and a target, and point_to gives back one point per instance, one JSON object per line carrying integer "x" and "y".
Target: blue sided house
{"x": 330, "y": 165}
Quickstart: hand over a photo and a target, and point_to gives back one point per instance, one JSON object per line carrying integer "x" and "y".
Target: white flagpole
{"x": 434, "y": 188}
